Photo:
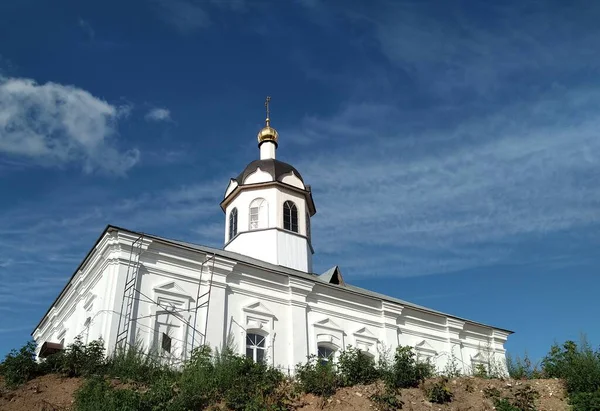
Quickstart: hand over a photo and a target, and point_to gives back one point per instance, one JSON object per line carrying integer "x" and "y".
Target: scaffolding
{"x": 131, "y": 293}
{"x": 133, "y": 266}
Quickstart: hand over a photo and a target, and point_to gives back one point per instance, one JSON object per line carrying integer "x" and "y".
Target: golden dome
{"x": 268, "y": 133}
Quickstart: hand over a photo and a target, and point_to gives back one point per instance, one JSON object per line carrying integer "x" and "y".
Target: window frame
{"x": 261, "y": 214}
{"x": 330, "y": 357}
{"x": 290, "y": 216}
{"x": 256, "y": 346}
{"x": 233, "y": 223}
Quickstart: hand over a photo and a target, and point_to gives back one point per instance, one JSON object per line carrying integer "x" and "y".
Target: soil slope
{"x": 53, "y": 393}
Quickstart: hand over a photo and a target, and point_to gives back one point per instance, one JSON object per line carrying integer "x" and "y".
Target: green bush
{"x": 197, "y": 384}
{"x": 439, "y": 392}
{"x": 82, "y": 360}
{"x": 577, "y": 365}
{"x": 239, "y": 382}
{"x": 503, "y": 404}
{"x": 525, "y": 398}
{"x": 452, "y": 369}
{"x": 356, "y": 367}
{"x": 406, "y": 371}
{"x": 317, "y": 377}
{"x": 522, "y": 368}
{"x": 585, "y": 401}
{"x": 53, "y": 364}
{"x": 387, "y": 399}
{"x": 245, "y": 384}
{"x": 96, "y": 394}
{"x": 20, "y": 366}
{"x": 133, "y": 363}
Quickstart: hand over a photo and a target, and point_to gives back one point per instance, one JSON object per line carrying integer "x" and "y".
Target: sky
{"x": 453, "y": 147}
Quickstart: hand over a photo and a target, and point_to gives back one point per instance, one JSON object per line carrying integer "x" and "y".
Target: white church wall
{"x": 259, "y": 244}
{"x": 284, "y": 195}
{"x": 293, "y": 251}
{"x": 294, "y": 314}
{"x": 242, "y": 202}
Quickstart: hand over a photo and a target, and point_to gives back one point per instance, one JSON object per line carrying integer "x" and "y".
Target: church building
{"x": 258, "y": 293}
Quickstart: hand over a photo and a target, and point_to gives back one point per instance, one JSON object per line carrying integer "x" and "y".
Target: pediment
{"x": 259, "y": 308}
{"x": 477, "y": 357}
{"x": 365, "y": 332}
{"x": 172, "y": 288}
{"x": 425, "y": 347}
{"x": 328, "y": 323}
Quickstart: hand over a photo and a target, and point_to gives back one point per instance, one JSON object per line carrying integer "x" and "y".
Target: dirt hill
{"x": 53, "y": 393}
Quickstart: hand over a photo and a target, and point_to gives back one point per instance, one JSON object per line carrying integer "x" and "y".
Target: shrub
{"x": 97, "y": 395}
{"x": 525, "y": 398}
{"x": 452, "y": 370}
{"x": 356, "y": 367}
{"x": 491, "y": 392}
{"x": 480, "y": 371}
{"x": 503, "y": 404}
{"x": 52, "y": 364}
{"x": 578, "y": 365}
{"x": 197, "y": 385}
{"x": 406, "y": 371}
{"x": 585, "y": 401}
{"x": 316, "y": 377}
{"x": 245, "y": 384}
{"x": 81, "y": 360}
{"x": 238, "y": 381}
{"x": 522, "y": 369}
{"x": 133, "y": 363}
{"x": 387, "y": 399}
{"x": 438, "y": 392}
{"x": 20, "y": 366}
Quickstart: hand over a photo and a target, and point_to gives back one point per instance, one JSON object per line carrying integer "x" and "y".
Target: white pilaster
{"x": 298, "y": 326}
{"x": 390, "y": 315}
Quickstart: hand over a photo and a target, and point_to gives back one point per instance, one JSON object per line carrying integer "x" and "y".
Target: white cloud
{"x": 459, "y": 198}
{"x": 158, "y": 114}
{"x": 54, "y": 124}
{"x": 184, "y": 15}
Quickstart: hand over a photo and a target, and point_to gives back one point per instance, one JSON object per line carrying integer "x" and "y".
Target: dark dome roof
{"x": 274, "y": 167}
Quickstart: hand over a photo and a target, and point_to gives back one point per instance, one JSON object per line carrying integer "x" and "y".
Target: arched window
{"x": 325, "y": 353}
{"x": 307, "y": 226}
{"x": 256, "y": 347}
{"x": 290, "y": 216}
{"x": 258, "y": 214}
{"x": 233, "y": 223}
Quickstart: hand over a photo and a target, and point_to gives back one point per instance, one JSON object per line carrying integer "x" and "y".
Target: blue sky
{"x": 452, "y": 147}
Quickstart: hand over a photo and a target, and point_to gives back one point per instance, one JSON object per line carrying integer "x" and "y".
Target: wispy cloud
{"x": 54, "y": 124}
{"x": 184, "y": 15}
{"x": 158, "y": 114}
{"x": 86, "y": 27}
{"x": 443, "y": 200}
{"x": 188, "y": 16}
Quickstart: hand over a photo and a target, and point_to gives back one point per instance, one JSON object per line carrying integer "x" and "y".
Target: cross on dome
{"x": 268, "y": 136}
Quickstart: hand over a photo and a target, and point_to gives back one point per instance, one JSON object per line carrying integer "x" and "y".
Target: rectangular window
{"x": 166, "y": 342}
{"x": 253, "y": 218}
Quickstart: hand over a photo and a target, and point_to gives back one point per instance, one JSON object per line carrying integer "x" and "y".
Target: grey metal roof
{"x": 266, "y": 266}
{"x": 321, "y": 279}
{"x": 274, "y": 167}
